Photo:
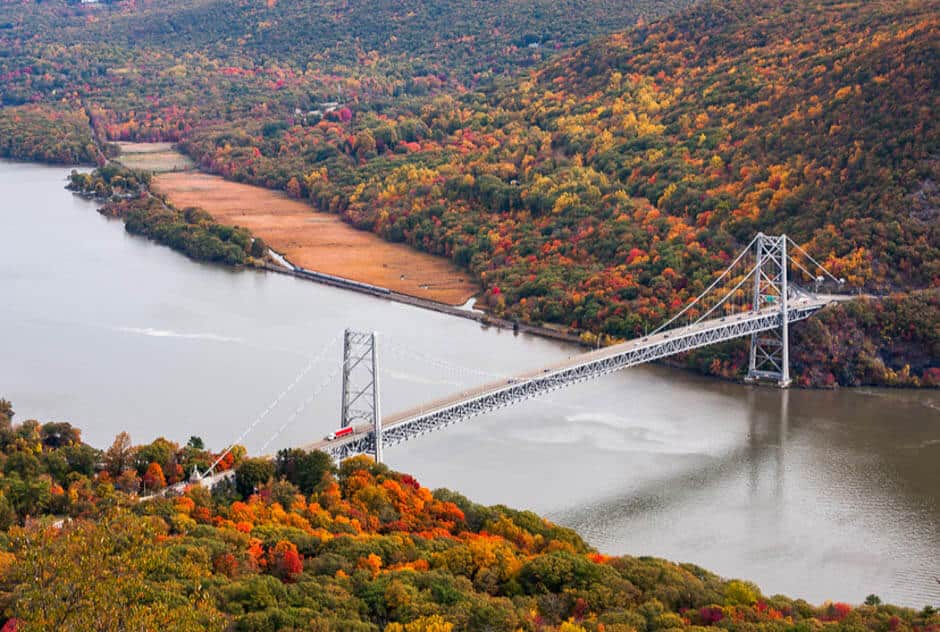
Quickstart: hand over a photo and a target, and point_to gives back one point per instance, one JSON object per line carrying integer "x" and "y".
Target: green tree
{"x": 196, "y": 443}
{"x": 6, "y": 412}
{"x": 160, "y": 451}
{"x": 59, "y": 434}
{"x": 82, "y": 458}
{"x": 6, "y": 422}
{"x": 251, "y": 474}
{"x": 303, "y": 469}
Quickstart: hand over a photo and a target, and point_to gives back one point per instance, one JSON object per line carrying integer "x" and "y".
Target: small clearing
{"x": 153, "y": 157}
{"x": 319, "y": 241}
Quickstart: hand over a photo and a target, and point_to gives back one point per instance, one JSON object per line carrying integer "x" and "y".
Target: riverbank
{"x": 150, "y": 212}
{"x": 460, "y": 311}
{"x": 322, "y": 242}
{"x": 853, "y": 353}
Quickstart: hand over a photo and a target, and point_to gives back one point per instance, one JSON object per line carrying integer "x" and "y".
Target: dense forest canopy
{"x": 296, "y": 543}
{"x": 283, "y": 54}
{"x": 599, "y": 189}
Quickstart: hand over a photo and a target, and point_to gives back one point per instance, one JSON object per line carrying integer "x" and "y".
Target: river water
{"x": 820, "y": 495}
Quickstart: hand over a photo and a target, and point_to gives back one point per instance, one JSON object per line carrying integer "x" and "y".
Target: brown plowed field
{"x": 318, "y": 241}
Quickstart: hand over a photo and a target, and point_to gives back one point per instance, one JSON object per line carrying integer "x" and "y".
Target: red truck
{"x": 342, "y": 432}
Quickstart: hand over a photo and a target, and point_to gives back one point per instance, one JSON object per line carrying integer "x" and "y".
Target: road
{"x": 362, "y": 430}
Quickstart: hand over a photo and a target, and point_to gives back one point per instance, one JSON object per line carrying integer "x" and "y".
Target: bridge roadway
{"x": 461, "y": 405}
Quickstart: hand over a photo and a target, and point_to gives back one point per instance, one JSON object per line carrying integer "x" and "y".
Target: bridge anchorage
{"x": 753, "y": 297}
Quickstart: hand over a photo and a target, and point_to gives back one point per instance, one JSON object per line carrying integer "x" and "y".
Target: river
{"x": 820, "y": 495}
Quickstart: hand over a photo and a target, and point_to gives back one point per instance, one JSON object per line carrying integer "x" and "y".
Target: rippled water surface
{"x": 821, "y": 495}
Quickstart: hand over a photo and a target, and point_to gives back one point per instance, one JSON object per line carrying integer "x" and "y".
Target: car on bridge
{"x": 342, "y": 432}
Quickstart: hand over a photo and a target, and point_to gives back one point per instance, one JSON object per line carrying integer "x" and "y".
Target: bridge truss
{"x": 593, "y": 365}
{"x": 753, "y": 296}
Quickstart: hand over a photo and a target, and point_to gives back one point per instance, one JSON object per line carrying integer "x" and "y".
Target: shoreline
{"x": 484, "y": 318}
{"x": 481, "y": 317}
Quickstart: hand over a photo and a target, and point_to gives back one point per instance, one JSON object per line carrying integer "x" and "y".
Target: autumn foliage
{"x": 371, "y": 549}
{"x": 299, "y": 543}
{"x": 598, "y": 190}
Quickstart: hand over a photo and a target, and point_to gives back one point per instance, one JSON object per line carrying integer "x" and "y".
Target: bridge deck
{"x": 398, "y": 425}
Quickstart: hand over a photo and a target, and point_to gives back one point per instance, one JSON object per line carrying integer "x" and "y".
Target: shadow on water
{"x": 766, "y": 438}
{"x": 806, "y": 460}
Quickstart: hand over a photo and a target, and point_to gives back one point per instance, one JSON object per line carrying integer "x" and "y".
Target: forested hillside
{"x": 636, "y": 164}
{"x": 599, "y": 190}
{"x": 453, "y": 40}
{"x": 153, "y": 71}
{"x": 602, "y": 190}
{"x": 298, "y": 544}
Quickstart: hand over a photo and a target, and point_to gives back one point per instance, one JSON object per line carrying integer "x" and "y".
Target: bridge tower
{"x": 770, "y": 350}
{"x": 361, "y": 383}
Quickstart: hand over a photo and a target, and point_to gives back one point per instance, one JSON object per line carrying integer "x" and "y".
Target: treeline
{"x": 46, "y": 468}
{"x": 300, "y": 544}
{"x": 47, "y": 134}
{"x": 191, "y": 231}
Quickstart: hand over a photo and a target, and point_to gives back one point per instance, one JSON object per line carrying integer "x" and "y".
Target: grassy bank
{"x": 319, "y": 241}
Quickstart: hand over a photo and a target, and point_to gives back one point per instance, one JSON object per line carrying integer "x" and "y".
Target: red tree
{"x": 285, "y": 562}
{"x": 153, "y": 478}
{"x": 225, "y": 563}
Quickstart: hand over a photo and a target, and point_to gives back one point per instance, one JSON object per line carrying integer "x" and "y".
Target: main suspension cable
{"x": 274, "y": 404}
{"x": 714, "y": 283}
{"x": 316, "y": 392}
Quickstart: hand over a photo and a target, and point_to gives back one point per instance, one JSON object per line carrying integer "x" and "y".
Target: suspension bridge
{"x": 754, "y": 296}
